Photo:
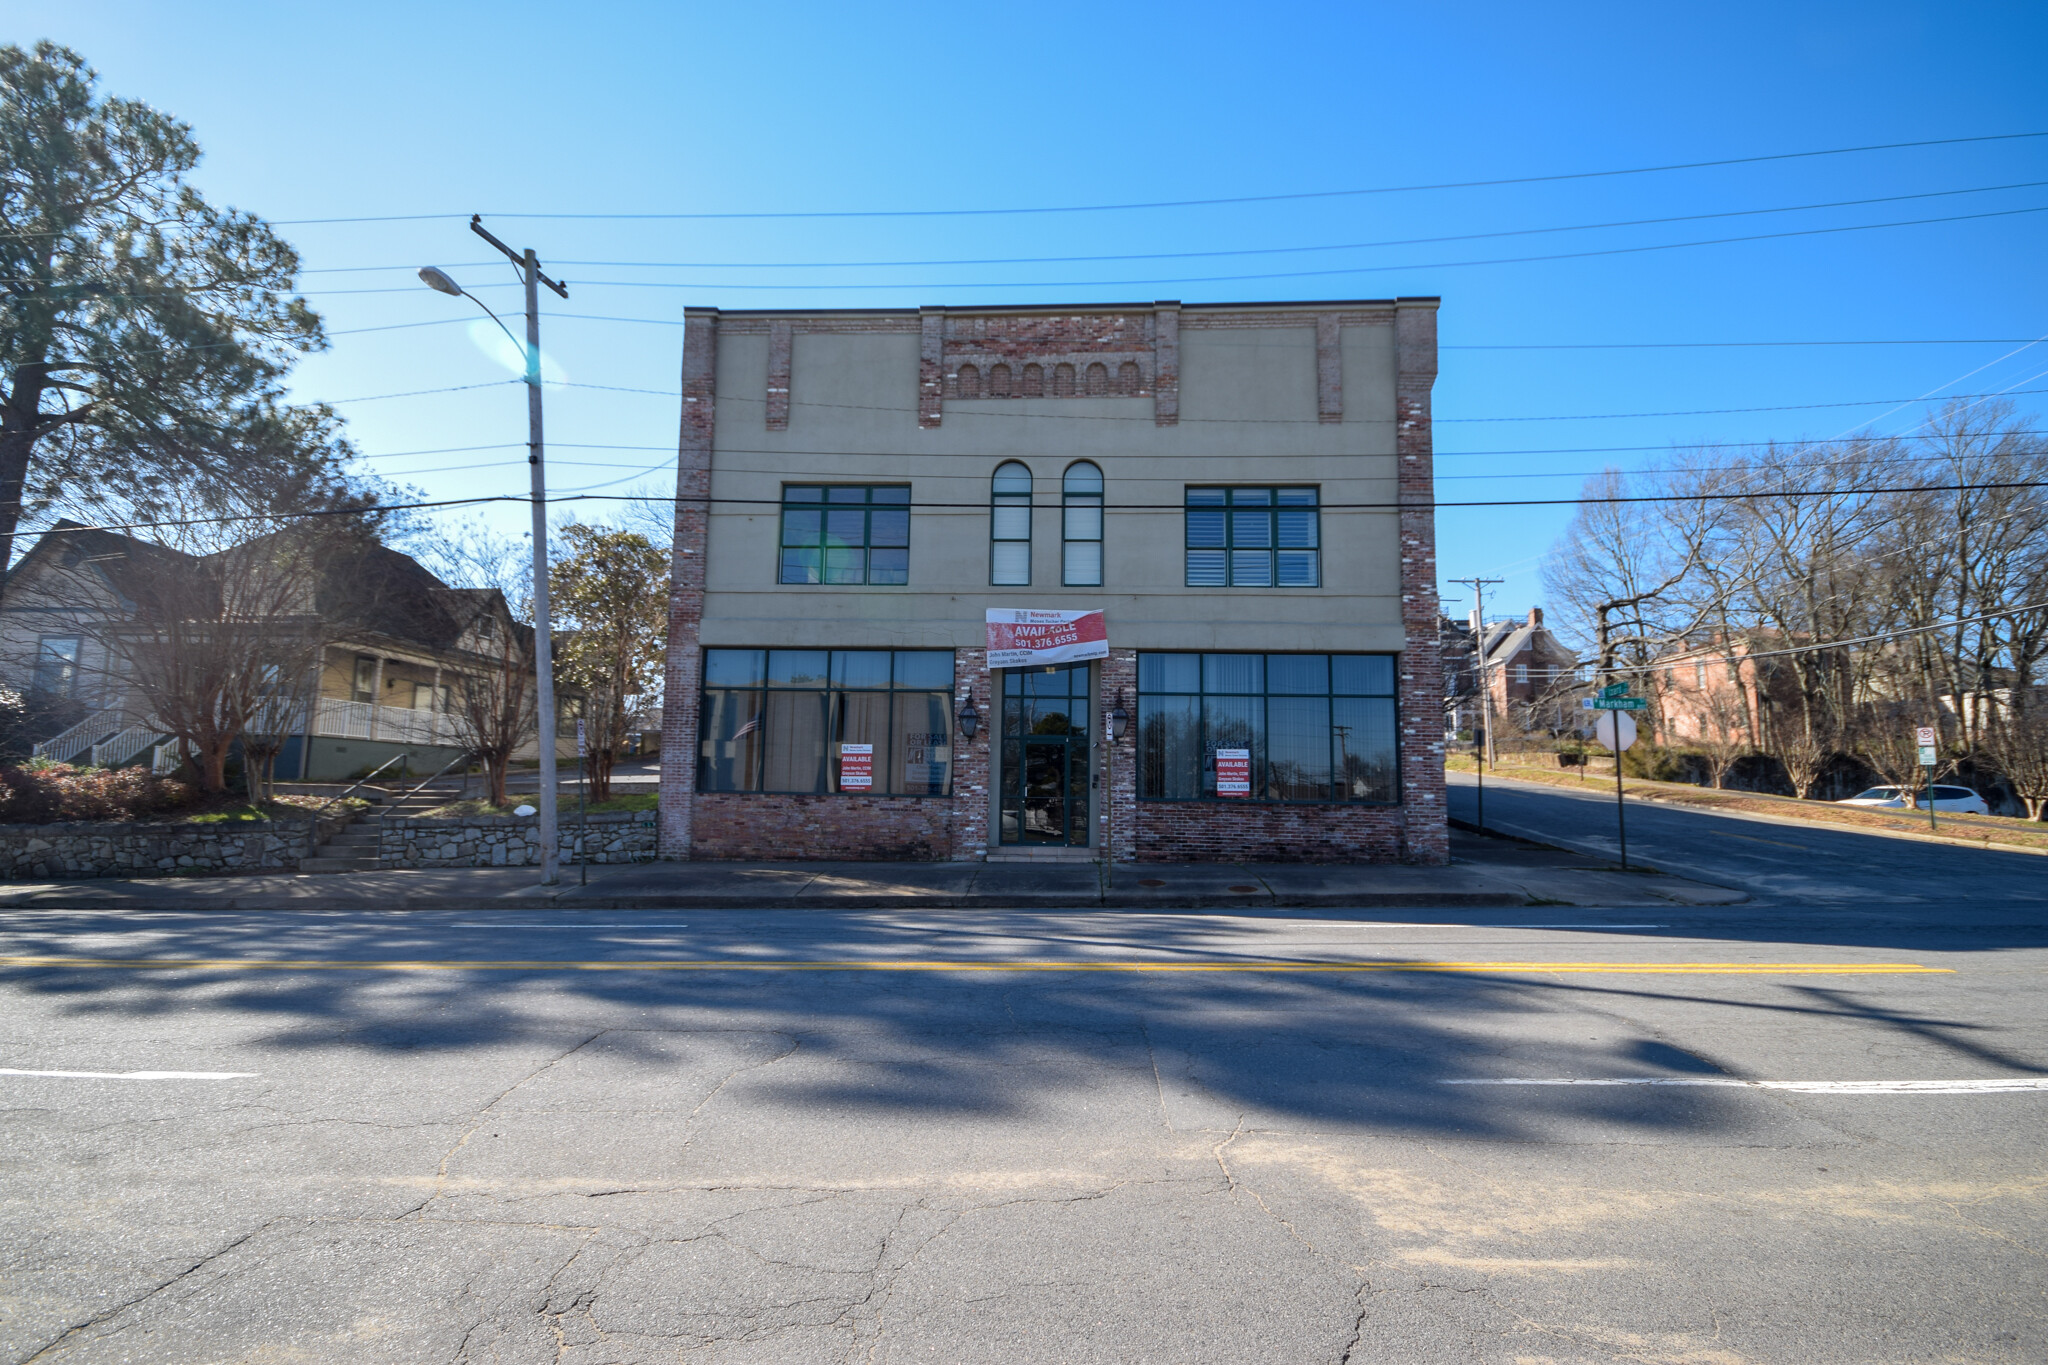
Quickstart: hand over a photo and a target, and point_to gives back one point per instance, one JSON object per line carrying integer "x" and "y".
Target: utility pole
{"x": 545, "y": 722}
{"x": 1479, "y": 587}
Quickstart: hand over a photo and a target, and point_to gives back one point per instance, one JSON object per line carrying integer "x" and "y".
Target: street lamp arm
{"x": 516, "y": 342}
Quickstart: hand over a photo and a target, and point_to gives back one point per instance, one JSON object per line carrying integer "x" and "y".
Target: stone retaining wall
{"x": 510, "y": 841}
{"x": 152, "y": 849}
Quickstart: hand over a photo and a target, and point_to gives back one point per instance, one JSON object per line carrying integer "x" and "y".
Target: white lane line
{"x": 1440, "y": 924}
{"x": 1997, "y": 1087}
{"x": 134, "y": 1075}
{"x": 568, "y": 923}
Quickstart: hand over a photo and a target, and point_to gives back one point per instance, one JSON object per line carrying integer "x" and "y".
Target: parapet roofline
{"x": 1069, "y": 309}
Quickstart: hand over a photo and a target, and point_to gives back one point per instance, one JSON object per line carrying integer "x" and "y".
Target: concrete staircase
{"x": 352, "y": 849}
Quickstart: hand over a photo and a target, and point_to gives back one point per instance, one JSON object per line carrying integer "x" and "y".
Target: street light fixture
{"x": 546, "y": 723}
{"x": 969, "y": 718}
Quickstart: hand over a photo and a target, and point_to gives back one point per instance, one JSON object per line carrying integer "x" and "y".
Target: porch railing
{"x": 74, "y": 740}
{"x": 341, "y": 719}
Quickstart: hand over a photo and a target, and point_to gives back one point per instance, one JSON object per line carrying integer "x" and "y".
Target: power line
{"x": 372, "y": 509}
{"x": 1226, "y": 279}
{"x": 1191, "y": 203}
{"x": 1240, "y": 251}
{"x": 1841, "y": 644}
{"x": 1259, "y": 421}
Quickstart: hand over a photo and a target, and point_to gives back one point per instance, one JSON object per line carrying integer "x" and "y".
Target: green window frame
{"x": 1081, "y": 525}
{"x": 776, "y": 720}
{"x": 1254, "y": 538}
{"x": 845, "y": 534}
{"x": 1009, "y": 526}
{"x": 1321, "y": 728}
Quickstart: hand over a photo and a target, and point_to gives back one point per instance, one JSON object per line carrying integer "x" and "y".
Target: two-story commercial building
{"x": 1199, "y": 539}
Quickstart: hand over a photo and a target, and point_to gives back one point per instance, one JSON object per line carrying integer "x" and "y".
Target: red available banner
{"x": 1025, "y": 638}
{"x": 1233, "y": 772}
{"x": 856, "y": 767}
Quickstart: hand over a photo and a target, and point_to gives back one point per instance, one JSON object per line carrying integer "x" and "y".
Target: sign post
{"x": 582, "y": 808}
{"x": 1616, "y": 731}
{"x": 1924, "y": 735}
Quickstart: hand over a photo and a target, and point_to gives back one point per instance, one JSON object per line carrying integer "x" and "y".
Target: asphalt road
{"x": 987, "y": 1137}
{"x": 1793, "y": 863}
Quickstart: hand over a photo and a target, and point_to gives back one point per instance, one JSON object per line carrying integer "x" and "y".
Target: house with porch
{"x": 393, "y": 646}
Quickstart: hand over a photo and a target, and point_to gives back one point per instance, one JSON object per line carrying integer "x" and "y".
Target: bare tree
{"x": 493, "y": 707}
{"x": 218, "y": 635}
{"x": 609, "y": 591}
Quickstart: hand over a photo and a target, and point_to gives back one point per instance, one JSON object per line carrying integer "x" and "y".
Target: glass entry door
{"x": 1045, "y": 756}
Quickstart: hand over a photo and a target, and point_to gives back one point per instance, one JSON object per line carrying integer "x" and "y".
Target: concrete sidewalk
{"x": 1484, "y": 872}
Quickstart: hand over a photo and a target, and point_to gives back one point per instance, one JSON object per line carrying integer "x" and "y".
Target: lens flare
{"x": 492, "y": 341}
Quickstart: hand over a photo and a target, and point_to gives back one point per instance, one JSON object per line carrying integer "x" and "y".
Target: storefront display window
{"x": 775, "y": 720}
{"x": 1317, "y": 727}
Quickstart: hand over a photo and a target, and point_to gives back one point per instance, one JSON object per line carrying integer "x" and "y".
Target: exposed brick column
{"x": 1120, "y": 683}
{"x": 971, "y": 757}
{"x": 684, "y": 671}
{"x": 779, "y": 337}
{"x": 1427, "y": 836}
{"x": 931, "y": 364}
{"x": 1330, "y": 368}
{"x": 1166, "y": 364}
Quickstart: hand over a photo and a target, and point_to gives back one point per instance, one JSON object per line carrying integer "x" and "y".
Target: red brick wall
{"x": 683, "y": 671}
{"x": 1427, "y": 835}
{"x": 1258, "y": 832}
{"x": 756, "y": 826}
{"x": 971, "y": 757}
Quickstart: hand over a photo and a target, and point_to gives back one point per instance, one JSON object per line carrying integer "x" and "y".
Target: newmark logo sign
{"x": 1021, "y": 637}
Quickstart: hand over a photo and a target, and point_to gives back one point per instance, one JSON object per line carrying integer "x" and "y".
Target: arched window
{"x": 1063, "y": 381}
{"x": 1128, "y": 379}
{"x": 1009, "y": 526}
{"x": 970, "y": 382}
{"x": 1034, "y": 381}
{"x": 999, "y": 382}
{"x": 1098, "y": 379}
{"x": 1081, "y": 526}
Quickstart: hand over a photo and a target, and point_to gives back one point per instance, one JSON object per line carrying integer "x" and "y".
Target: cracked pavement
{"x": 720, "y": 1167}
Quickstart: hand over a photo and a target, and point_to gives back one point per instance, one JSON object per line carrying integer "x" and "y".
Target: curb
{"x": 1986, "y": 845}
{"x": 1365, "y": 900}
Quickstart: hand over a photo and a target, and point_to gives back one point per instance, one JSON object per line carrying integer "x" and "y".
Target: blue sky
{"x": 320, "y": 112}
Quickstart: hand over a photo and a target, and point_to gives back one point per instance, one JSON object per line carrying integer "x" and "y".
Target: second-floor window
{"x": 845, "y": 533}
{"x": 1081, "y": 526}
{"x": 1009, "y": 526}
{"x": 1253, "y": 538}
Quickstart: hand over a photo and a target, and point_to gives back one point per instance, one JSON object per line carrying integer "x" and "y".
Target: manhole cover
{"x": 1246, "y": 889}
{"x": 1150, "y": 881}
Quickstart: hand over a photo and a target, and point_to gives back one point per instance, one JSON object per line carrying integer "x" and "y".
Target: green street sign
{"x": 1621, "y": 704}
{"x": 1619, "y": 689}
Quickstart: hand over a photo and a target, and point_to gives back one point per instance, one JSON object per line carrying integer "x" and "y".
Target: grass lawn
{"x": 1991, "y": 829}
{"x": 232, "y": 811}
{"x": 566, "y": 806}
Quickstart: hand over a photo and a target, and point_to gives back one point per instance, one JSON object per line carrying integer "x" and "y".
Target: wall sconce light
{"x": 969, "y": 718}
{"x": 1119, "y": 719}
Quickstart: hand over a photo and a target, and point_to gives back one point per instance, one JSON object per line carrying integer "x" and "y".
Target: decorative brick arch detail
{"x": 1098, "y": 379}
{"x": 999, "y": 381}
{"x": 1063, "y": 381}
{"x": 1034, "y": 381}
{"x": 1130, "y": 380}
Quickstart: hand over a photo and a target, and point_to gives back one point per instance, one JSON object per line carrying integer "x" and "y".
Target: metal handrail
{"x": 395, "y": 758}
{"x": 463, "y": 757}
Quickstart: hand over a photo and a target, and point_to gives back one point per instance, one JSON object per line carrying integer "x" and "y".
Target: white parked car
{"x": 1961, "y": 800}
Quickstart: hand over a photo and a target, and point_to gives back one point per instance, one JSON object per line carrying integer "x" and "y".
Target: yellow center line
{"x": 992, "y": 965}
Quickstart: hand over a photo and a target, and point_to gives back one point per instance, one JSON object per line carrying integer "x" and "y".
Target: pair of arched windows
{"x": 1080, "y": 526}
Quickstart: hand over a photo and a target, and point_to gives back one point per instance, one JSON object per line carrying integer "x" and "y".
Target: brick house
{"x": 1532, "y": 675}
{"x": 1715, "y": 693}
{"x": 1242, "y": 491}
